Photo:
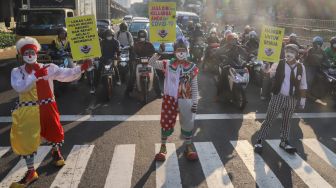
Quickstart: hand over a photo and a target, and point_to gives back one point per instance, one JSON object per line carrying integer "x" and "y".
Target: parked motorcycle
{"x": 237, "y": 77}
{"x": 123, "y": 65}
{"x": 144, "y": 77}
{"x": 108, "y": 77}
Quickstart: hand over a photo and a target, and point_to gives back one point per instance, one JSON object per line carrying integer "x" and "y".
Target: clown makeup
{"x": 290, "y": 55}
{"x": 29, "y": 56}
{"x": 181, "y": 53}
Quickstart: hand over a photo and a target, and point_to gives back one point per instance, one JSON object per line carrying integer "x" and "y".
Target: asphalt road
{"x": 117, "y": 141}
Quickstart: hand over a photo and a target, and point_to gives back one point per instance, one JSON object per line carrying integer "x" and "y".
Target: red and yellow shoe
{"x": 190, "y": 153}
{"x": 161, "y": 156}
{"x": 29, "y": 178}
{"x": 58, "y": 159}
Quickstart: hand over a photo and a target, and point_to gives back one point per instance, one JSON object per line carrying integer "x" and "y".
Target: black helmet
{"x": 62, "y": 30}
{"x": 109, "y": 32}
{"x": 142, "y": 34}
{"x": 123, "y": 26}
{"x": 180, "y": 44}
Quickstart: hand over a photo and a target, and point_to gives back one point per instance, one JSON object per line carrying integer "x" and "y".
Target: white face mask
{"x": 142, "y": 39}
{"x": 290, "y": 56}
{"x": 181, "y": 55}
{"x": 30, "y": 59}
{"x": 334, "y": 45}
{"x": 109, "y": 38}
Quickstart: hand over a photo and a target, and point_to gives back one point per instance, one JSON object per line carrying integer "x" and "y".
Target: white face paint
{"x": 334, "y": 45}
{"x": 290, "y": 56}
{"x": 181, "y": 55}
{"x": 30, "y": 59}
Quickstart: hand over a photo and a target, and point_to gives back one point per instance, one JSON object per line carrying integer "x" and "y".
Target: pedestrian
{"x": 180, "y": 97}
{"x": 36, "y": 115}
{"x": 289, "y": 85}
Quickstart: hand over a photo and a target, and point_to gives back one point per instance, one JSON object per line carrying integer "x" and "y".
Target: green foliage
{"x": 6, "y": 39}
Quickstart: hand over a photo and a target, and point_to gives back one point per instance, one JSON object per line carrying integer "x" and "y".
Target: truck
{"x": 42, "y": 19}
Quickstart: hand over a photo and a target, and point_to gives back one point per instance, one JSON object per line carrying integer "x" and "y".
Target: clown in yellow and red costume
{"x": 36, "y": 114}
{"x": 180, "y": 98}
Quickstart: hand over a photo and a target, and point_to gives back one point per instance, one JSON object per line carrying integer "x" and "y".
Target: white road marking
{"x": 3, "y": 150}
{"x": 213, "y": 168}
{"x": 257, "y": 167}
{"x": 321, "y": 150}
{"x": 309, "y": 176}
{"x": 121, "y": 168}
{"x": 20, "y": 168}
{"x": 76, "y": 162}
{"x": 121, "y": 118}
{"x": 168, "y": 172}
{"x": 334, "y": 139}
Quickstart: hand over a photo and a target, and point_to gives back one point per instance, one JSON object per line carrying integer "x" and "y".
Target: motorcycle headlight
{"x": 107, "y": 66}
{"x": 123, "y": 64}
{"x": 144, "y": 60}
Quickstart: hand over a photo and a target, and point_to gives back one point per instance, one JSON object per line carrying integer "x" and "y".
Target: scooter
{"x": 108, "y": 78}
{"x": 123, "y": 65}
{"x": 144, "y": 77}
{"x": 237, "y": 77}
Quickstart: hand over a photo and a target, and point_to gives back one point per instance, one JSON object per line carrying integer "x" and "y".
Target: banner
{"x": 270, "y": 44}
{"x": 162, "y": 16}
{"x": 83, "y": 37}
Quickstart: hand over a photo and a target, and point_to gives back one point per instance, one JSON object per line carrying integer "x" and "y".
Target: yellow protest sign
{"x": 162, "y": 16}
{"x": 83, "y": 37}
{"x": 270, "y": 44}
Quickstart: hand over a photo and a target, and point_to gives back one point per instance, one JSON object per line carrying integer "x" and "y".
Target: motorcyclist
{"x": 110, "y": 48}
{"x": 61, "y": 46}
{"x": 142, "y": 48}
{"x": 125, "y": 38}
{"x": 245, "y": 35}
{"x": 196, "y": 36}
{"x": 315, "y": 58}
{"x": 293, "y": 40}
{"x": 252, "y": 44}
{"x": 331, "y": 51}
{"x": 212, "y": 39}
{"x": 190, "y": 28}
{"x": 226, "y": 33}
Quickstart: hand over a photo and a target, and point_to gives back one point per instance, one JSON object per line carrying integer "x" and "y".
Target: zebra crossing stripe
{"x": 121, "y": 168}
{"x": 334, "y": 139}
{"x": 20, "y": 168}
{"x": 322, "y": 151}
{"x": 309, "y": 176}
{"x": 213, "y": 168}
{"x": 257, "y": 167}
{"x": 167, "y": 172}
{"x": 3, "y": 150}
{"x": 70, "y": 174}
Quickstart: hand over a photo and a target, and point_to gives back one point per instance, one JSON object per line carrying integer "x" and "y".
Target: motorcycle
{"x": 198, "y": 50}
{"x": 144, "y": 77}
{"x": 123, "y": 65}
{"x": 237, "y": 77}
{"x": 108, "y": 77}
{"x": 255, "y": 68}
{"x": 92, "y": 75}
{"x": 210, "y": 59}
{"x": 325, "y": 83}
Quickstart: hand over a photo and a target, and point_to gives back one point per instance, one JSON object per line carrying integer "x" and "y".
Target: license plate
{"x": 144, "y": 60}
{"x": 145, "y": 70}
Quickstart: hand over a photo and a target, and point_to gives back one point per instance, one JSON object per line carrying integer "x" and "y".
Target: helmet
{"x": 318, "y": 40}
{"x": 332, "y": 40}
{"x": 227, "y": 32}
{"x": 180, "y": 43}
{"x": 247, "y": 29}
{"x": 109, "y": 32}
{"x": 213, "y": 30}
{"x": 142, "y": 34}
{"x": 292, "y": 47}
{"x": 292, "y": 37}
{"x": 62, "y": 30}
{"x": 123, "y": 26}
{"x": 198, "y": 26}
{"x": 235, "y": 36}
{"x": 252, "y": 35}
{"x": 230, "y": 37}
{"x": 190, "y": 23}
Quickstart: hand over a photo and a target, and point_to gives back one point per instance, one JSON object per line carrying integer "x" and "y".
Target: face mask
{"x": 30, "y": 59}
{"x": 181, "y": 55}
{"x": 290, "y": 56}
{"x": 109, "y": 38}
{"x": 334, "y": 45}
{"x": 213, "y": 35}
{"x": 142, "y": 39}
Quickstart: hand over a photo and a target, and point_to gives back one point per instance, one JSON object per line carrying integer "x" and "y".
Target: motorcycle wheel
{"x": 144, "y": 89}
{"x": 239, "y": 97}
{"x": 108, "y": 87}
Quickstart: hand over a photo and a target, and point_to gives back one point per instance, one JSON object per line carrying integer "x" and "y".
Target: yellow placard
{"x": 83, "y": 37}
{"x": 162, "y": 16}
{"x": 270, "y": 44}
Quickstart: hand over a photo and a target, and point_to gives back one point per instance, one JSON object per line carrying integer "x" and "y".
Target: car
{"x": 169, "y": 47}
{"x": 103, "y": 25}
{"x": 137, "y": 24}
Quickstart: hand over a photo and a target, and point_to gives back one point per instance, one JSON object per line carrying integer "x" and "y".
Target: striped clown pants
{"x": 170, "y": 109}
{"x": 278, "y": 104}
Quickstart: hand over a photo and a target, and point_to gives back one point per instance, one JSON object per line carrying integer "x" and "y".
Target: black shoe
{"x": 258, "y": 147}
{"x": 284, "y": 144}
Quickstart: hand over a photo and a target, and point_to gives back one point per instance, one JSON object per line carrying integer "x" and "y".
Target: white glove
{"x": 154, "y": 58}
{"x": 302, "y": 103}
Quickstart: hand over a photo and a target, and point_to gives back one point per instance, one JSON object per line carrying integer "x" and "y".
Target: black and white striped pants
{"x": 278, "y": 104}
